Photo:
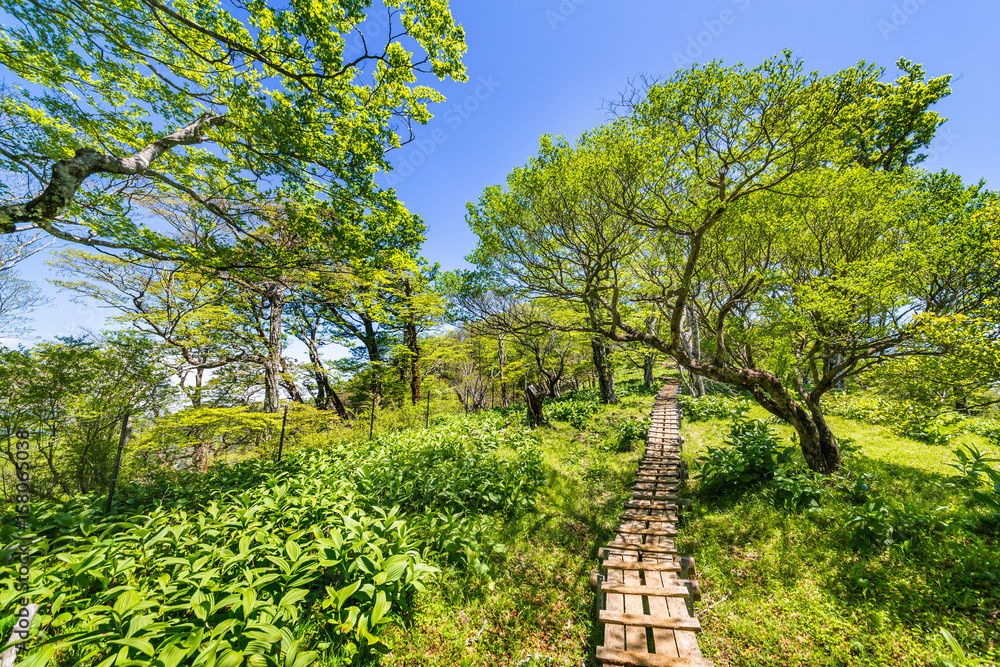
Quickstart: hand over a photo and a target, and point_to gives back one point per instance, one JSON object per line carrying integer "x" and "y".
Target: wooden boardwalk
{"x": 643, "y": 601}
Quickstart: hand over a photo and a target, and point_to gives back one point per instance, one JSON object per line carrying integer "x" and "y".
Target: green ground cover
{"x": 535, "y": 607}
{"x": 794, "y": 587}
{"x": 470, "y": 544}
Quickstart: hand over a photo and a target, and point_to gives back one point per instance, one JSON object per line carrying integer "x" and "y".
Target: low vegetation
{"x": 894, "y": 560}
{"x": 268, "y": 563}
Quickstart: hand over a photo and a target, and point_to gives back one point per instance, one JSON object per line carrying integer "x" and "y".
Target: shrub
{"x": 576, "y": 411}
{"x": 471, "y": 464}
{"x": 877, "y": 524}
{"x": 908, "y": 420}
{"x": 973, "y": 467}
{"x": 457, "y": 539}
{"x": 934, "y": 429}
{"x": 628, "y": 432}
{"x": 233, "y": 579}
{"x": 713, "y": 406}
{"x": 865, "y": 408}
{"x": 201, "y": 568}
{"x": 871, "y": 524}
{"x": 797, "y": 491}
{"x": 751, "y": 458}
{"x": 958, "y": 657}
{"x": 988, "y": 428}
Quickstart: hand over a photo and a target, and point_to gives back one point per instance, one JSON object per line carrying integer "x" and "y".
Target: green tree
{"x": 547, "y": 234}
{"x": 72, "y": 396}
{"x": 116, "y": 107}
{"x": 370, "y": 299}
{"x": 734, "y": 193}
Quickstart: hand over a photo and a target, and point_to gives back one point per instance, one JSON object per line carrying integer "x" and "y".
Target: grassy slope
{"x": 782, "y": 588}
{"x": 538, "y": 607}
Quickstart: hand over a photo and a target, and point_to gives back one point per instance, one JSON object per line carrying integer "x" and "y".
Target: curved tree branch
{"x": 69, "y": 174}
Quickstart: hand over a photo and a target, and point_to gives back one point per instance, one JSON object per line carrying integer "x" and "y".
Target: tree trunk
{"x": 684, "y": 379}
{"x": 411, "y": 342}
{"x": 272, "y": 392}
{"x": 288, "y": 383}
{"x": 961, "y": 400}
{"x": 374, "y": 357}
{"x": 694, "y": 349}
{"x": 602, "y": 361}
{"x": 275, "y": 298}
{"x": 502, "y": 358}
{"x": 552, "y": 382}
{"x": 199, "y": 384}
{"x": 534, "y": 403}
{"x": 605, "y": 377}
{"x": 818, "y": 444}
{"x": 647, "y": 362}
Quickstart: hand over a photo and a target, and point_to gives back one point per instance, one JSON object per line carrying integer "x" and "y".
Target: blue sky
{"x": 540, "y": 67}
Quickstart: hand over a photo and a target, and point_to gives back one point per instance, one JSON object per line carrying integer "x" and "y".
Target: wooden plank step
{"x": 650, "y": 505}
{"x": 649, "y": 591}
{"x": 641, "y": 565}
{"x": 646, "y": 621}
{"x": 642, "y": 548}
{"x": 656, "y": 518}
{"x": 646, "y": 531}
{"x": 607, "y": 656}
{"x": 653, "y": 495}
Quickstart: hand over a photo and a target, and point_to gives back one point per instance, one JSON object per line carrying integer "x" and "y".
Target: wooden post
{"x": 371, "y": 425}
{"x": 281, "y": 441}
{"x": 427, "y": 414}
{"x": 534, "y": 401}
{"x": 18, "y": 634}
{"x": 118, "y": 461}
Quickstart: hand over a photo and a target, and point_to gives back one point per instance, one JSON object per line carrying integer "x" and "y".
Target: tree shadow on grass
{"x": 932, "y": 575}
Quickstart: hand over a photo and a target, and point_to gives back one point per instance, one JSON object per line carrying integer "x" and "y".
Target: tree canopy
{"x": 779, "y": 210}
{"x": 114, "y": 108}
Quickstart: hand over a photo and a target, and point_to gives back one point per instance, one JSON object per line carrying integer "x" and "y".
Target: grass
{"x": 788, "y": 588}
{"x": 536, "y": 607}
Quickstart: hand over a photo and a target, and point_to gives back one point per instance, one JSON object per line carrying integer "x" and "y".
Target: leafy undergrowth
{"x": 892, "y": 552}
{"x": 302, "y": 562}
{"x": 536, "y": 608}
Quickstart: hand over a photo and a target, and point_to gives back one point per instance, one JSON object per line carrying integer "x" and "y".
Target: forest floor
{"x": 536, "y": 606}
{"x": 781, "y": 587}
{"x": 791, "y": 588}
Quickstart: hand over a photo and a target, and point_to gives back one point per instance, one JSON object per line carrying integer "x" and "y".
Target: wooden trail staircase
{"x": 643, "y": 602}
